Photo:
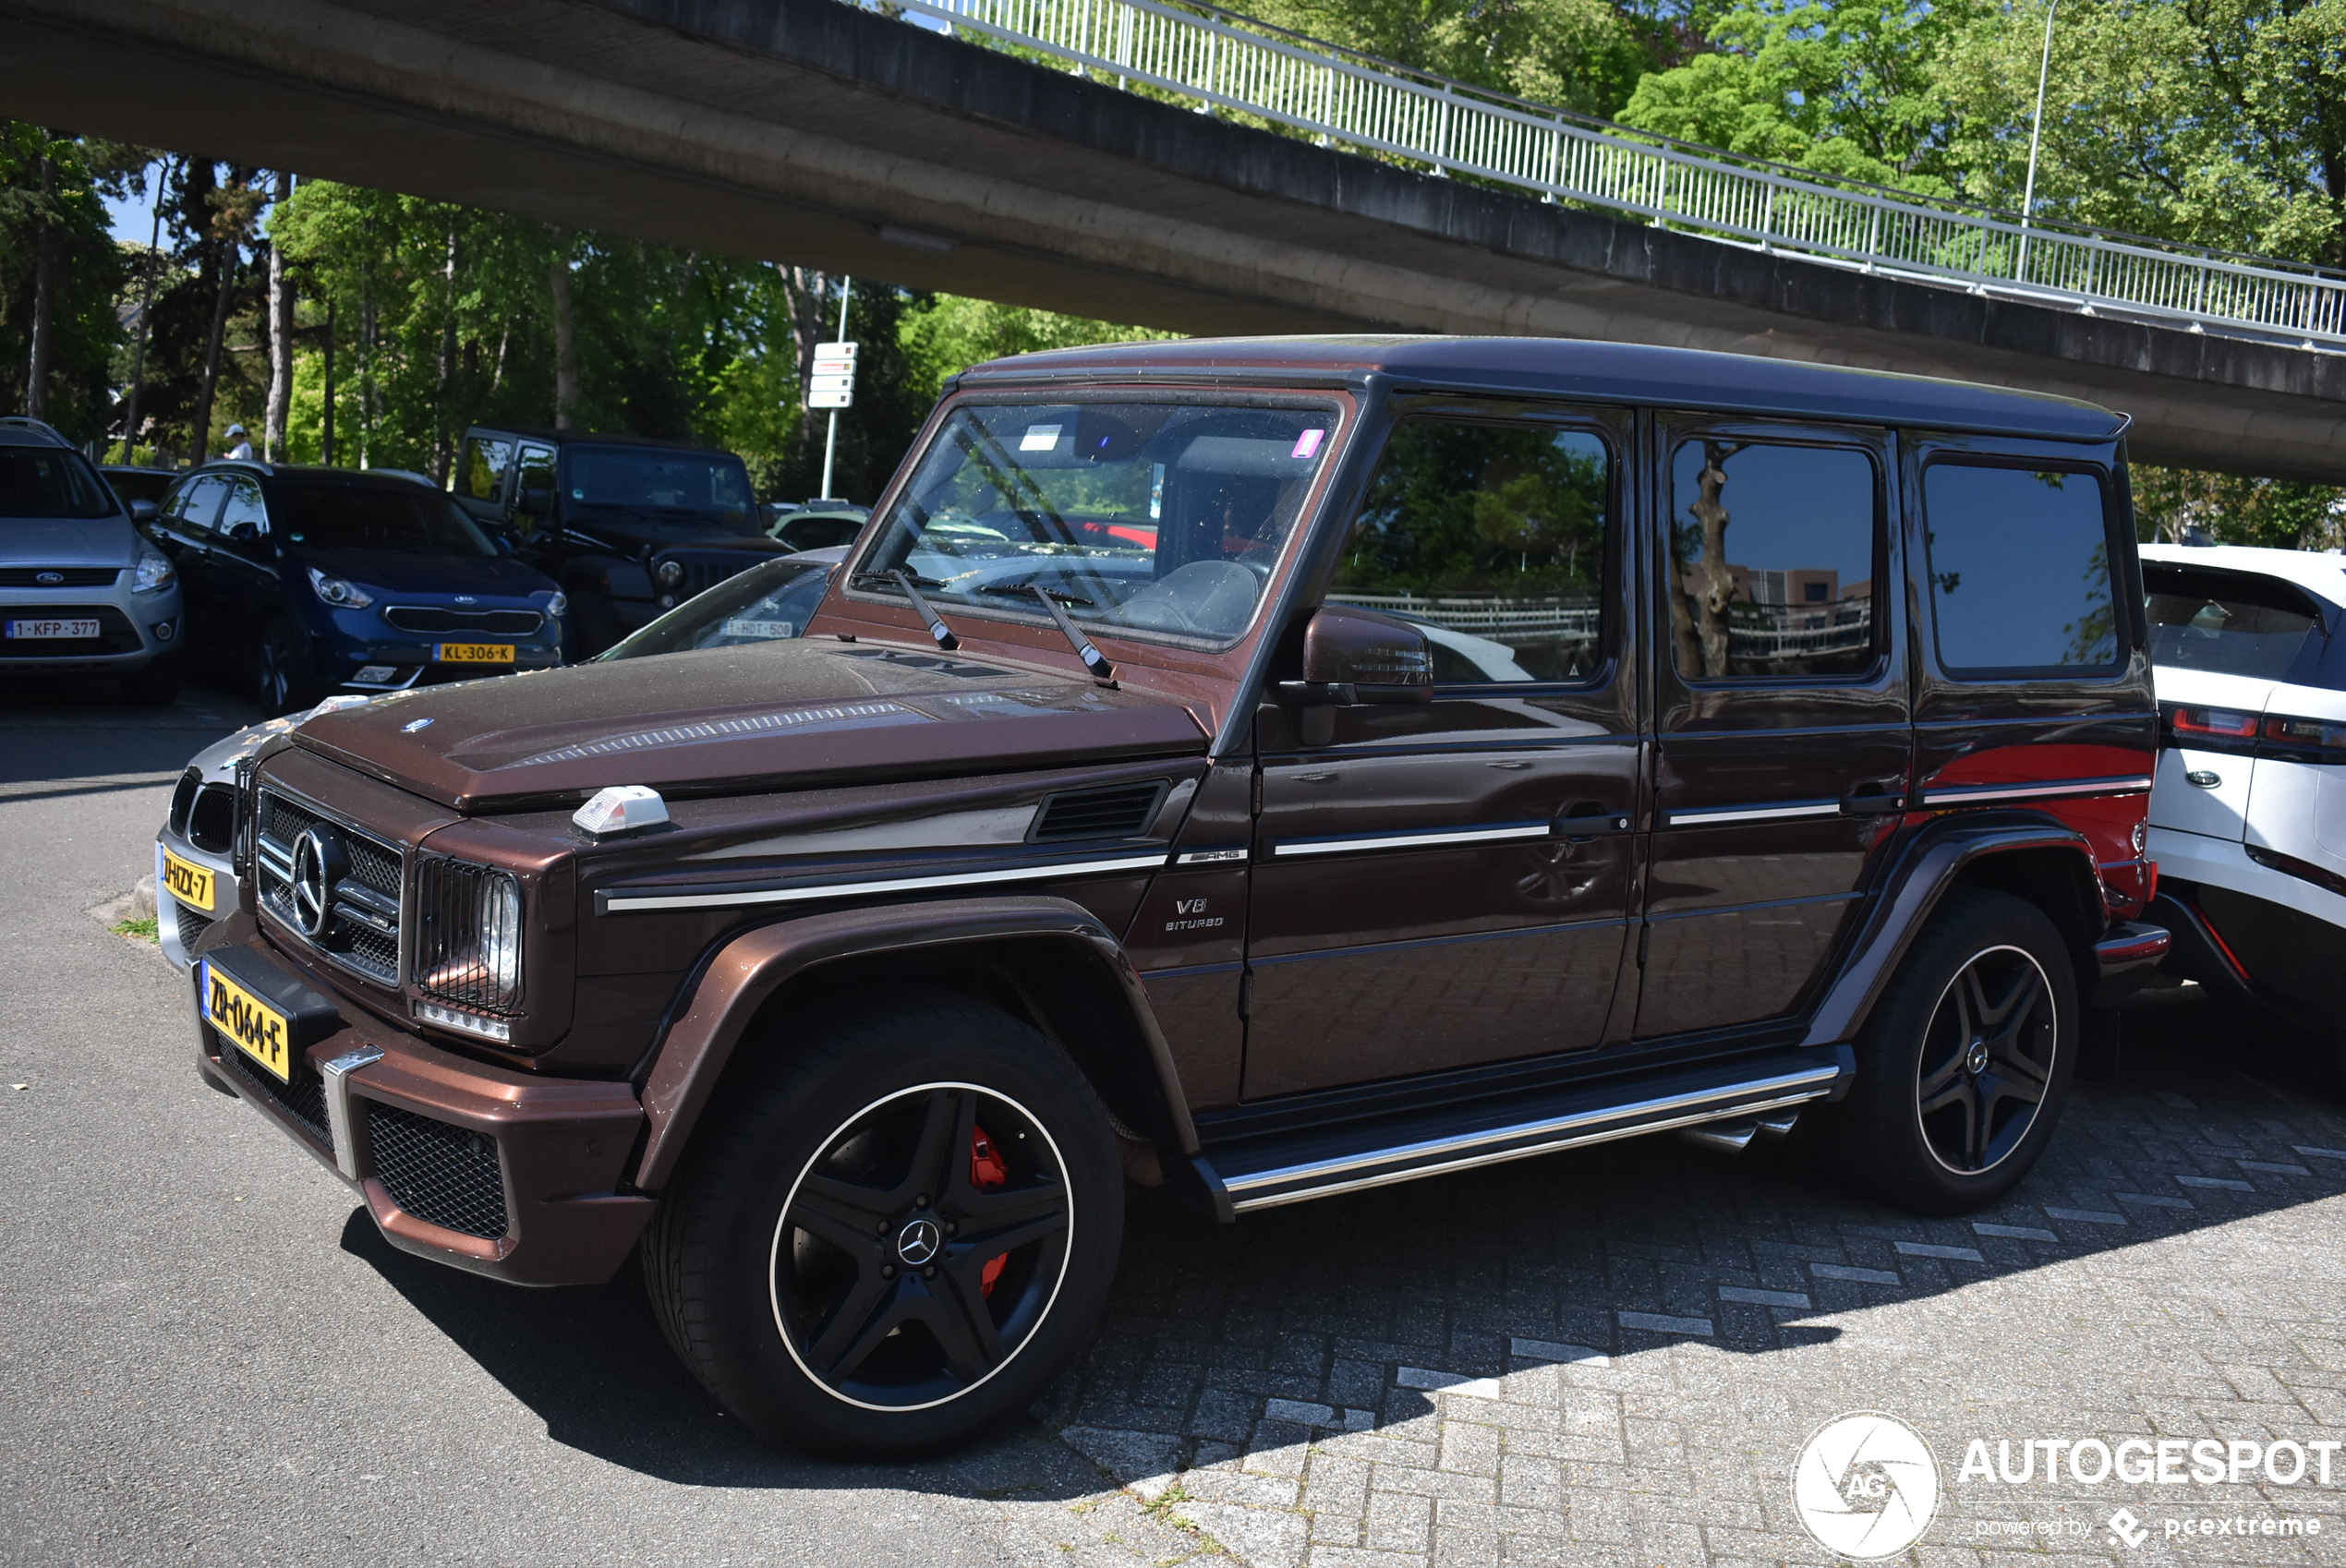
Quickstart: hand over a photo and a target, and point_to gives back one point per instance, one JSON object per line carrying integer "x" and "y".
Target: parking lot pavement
{"x": 1607, "y": 1356}
{"x": 1614, "y": 1355}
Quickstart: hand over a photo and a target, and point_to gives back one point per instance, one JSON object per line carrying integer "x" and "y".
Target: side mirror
{"x": 144, "y": 512}
{"x": 1357, "y": 656}
{"x": 534, "y": 502}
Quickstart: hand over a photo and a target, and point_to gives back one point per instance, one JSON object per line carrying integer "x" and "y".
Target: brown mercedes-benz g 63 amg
{"x": 1271, "y": 768}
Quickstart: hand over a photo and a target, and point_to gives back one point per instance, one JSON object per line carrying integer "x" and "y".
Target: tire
{"x": 825, "y": 1262}
{"x": 278, "y": 679}
{"x": 594, "y": 623}
{"x": 154, "y": 685}
{"x": 1981, "y": 1015}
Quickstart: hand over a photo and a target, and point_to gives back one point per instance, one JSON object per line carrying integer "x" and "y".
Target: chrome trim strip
{"x": 1973, "y": 794}
{"x": 1700, "y": 817}
{"x": 337, "y": 1074}
{"x": 621, "y": 903}
{"x": 1411, "y": 841}
{"x": 1806, "y": 1085}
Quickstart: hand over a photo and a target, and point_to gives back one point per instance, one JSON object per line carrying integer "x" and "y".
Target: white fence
{"x": 1233, "y": 63}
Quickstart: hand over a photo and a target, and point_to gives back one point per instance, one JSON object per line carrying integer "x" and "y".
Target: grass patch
{"x": 140, "y": 930}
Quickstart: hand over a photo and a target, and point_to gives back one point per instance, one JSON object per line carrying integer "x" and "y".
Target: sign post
{"x": 832, "y": 382}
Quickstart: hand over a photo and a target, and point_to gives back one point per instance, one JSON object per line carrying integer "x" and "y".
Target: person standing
{"x": 242, "y": 439}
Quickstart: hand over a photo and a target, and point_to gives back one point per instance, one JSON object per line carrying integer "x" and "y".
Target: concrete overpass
{"x": 813, "y": 132}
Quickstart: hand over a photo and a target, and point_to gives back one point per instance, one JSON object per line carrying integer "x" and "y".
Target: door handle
{"x": 1584, "y": 820}
{"x": 1874, "y": 802}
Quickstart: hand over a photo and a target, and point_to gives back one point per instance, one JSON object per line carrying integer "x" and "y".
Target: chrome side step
{"x": 1263, "y": 1173}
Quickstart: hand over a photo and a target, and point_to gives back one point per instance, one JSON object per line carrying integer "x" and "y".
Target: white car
{"x": 2248, "y": 816}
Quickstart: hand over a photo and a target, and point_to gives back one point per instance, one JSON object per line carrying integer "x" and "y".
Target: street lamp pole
{"x": 2035, "y": 136}
{"x": 830, "y": 441}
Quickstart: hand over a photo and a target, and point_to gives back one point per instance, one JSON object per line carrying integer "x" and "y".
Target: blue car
{"x": 324, "y": 579}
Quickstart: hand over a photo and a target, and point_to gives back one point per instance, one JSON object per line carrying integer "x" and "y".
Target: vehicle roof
{"x": 1611, "y": 372}
{"x": 16, "y": 429}
{"x": 377, "y": 478}
{"x": 2320, "y": 572}
{"x": 136, "y": 468}
{"x": 591, "y": 438}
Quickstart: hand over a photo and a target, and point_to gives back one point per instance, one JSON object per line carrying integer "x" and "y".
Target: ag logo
{"x": 1866, "y": 1486}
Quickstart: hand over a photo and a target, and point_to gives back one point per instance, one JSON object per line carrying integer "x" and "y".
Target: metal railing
{"x": 1228, "y": 60}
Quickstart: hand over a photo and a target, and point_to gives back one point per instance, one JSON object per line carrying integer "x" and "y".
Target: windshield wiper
{"x": 1093, "y": 660}
{"x": 902, "y": 579}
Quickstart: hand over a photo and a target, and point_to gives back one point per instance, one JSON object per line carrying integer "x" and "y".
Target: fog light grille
{"x": 445, "y": 1176}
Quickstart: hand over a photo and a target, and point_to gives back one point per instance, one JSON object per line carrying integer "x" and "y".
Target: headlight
{"x": 155, "y": 574}
{"x": 558, "y": 606}
{"x": 671, "y": 573}
{"x": 341, "y": 595}
{"x": 468, "y": 946}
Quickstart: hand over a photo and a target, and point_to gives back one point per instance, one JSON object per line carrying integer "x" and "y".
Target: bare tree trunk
{"x": 326, "y": 434}
{"x": 1714, "y": 585}
{"x": 280, "y": 336}
{"x": 565, "y": 336}
{"x": 443, "y": 450}
{"x": 224, "y": 261}
{"x": 808, "y": 292}
{"x": 146, "y": 313}
{"x": 44, "y": 245}
{"x": 367, "y": 366}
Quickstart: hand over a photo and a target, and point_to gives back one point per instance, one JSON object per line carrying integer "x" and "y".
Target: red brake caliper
{"x": 988, "y": 1168}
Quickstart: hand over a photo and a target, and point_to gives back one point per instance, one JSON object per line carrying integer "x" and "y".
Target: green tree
{"x": 944, "y": 335}
{"x": 2237, "y": 508}
{"x": 60, "y": 275}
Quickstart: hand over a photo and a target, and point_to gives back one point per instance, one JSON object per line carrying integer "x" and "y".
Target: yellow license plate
{"x": 251, "y": 1025}
{"x": 475, "y": 653}
{"x": 187, "y": 882}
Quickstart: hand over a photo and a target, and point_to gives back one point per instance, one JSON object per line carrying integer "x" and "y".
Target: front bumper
{"x": 179, "y": 925}
{"x": 493, "y": 1171}
{"x": 134, "y": 630}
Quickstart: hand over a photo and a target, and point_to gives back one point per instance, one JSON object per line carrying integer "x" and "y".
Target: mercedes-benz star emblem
{"x": 50, "y": 579}
{"x": 318, "y": 864}
{"x": 919, "y": 1242}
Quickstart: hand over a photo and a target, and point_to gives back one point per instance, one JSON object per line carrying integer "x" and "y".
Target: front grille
{"x": 704, "y": 570}
{"x": 192, "y": 924}
{"x": 435, "y": 618}
{"x": 210, "y": 822}
{"x": 445, "y": 1176}
{"x": 362, "y": 925}
{"x": 1119, "y": 810}
{"x": 115, "y": 634}
{"x": 183, "y": 801}
{"x": 65, "y": 576}
{"x": 304, "y": 1099}
{"x": 467, "y": 927}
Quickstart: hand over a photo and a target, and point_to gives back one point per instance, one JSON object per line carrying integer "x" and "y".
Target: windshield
{"x": 2227, "y": 624}
{"x": 1150, "y": 516}
{"x": 682, "y": 486}
{"x": 761, "y": 604}
{"x": 47, "y": 481}
{"x": 409, "y": 520}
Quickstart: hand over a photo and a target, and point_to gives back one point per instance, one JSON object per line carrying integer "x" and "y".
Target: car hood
{"x": 760, "y": 717}
{"x": 484, "y": 576}
{"x": 67, "y": 541}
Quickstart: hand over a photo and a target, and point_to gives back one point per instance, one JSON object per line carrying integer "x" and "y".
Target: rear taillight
{"x": 2277, "y": 735}
{"x": 2320, "y": 739}
{"x": 2199, "y": 724}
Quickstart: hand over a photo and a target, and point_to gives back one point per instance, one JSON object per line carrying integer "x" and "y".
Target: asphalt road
{"x": 207, "y": 1355}
{"x": 1605, "y": 1358}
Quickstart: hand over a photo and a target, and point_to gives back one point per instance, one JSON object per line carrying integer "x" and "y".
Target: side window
{"x": 1774, "y": 554}
{"x": 2019, "y": 571}
{"x": 1495, "y": 538}
{"x": 244, "y": 506}
{"x": 196, "y": 504}
{"x": 480, "y": 474}
{"x": 537, "y": 466}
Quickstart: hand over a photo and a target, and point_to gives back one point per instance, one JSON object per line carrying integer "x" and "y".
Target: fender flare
{"x": 1929, "y": 865}
{"x": 707, "y": 1025}
{"x": 608, "y": 575}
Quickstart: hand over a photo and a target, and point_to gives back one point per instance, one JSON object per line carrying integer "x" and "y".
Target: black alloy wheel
{"x": 921, "y": 1247}
{"x": 896, "y": 1224}
{"x": 277, "y": 678}
{"x": 1987, "y": 1061}
{"x": 1964, "y": 1065}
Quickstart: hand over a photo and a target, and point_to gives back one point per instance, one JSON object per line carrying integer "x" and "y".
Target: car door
{"x": 184, "y": 527}
{"x": 1783, "y": 727}
{"x": 246, "y": 563}
{"x": 1446, "y": 883}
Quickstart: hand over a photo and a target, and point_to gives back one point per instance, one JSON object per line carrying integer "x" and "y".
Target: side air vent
{"x": 1119, "y": 810}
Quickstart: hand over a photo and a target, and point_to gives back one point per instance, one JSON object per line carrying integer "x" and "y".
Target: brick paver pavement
{"x": 1614, "y": 1355}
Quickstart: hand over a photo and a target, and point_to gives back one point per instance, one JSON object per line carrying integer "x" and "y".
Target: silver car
{"x": 82, "y": 590}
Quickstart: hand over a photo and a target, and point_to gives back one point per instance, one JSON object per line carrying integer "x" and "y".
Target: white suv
{"x": 2248, "y": 819}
